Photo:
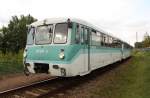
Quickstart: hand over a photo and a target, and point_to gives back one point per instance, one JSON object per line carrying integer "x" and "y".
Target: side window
{"x": 86, "y": 35}
{"x": 116, "y": 43}
{"x": 95, "y": 38}
{"x": 119, "y": 44}
{"x": 103, "y": 39}
{"x": 98, "y": 38}
{"x": 107, "y": 41}
{"x": 110, "y": 41}
{"x": 77, "y": 37}
{"x": 82, "y": 34}
{"x": 126, "y": 46}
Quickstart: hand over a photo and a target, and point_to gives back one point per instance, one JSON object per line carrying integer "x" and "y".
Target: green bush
{"x": 11, "y": 63}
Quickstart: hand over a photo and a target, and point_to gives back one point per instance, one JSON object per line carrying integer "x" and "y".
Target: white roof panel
{"x": 60, "y": 20}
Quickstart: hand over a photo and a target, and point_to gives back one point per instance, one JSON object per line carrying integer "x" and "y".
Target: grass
{"x": 131, "y": 81}
{"x": 11, "y": 63}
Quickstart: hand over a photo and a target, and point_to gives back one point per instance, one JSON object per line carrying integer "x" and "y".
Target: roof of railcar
{"x": 60, "y": 20}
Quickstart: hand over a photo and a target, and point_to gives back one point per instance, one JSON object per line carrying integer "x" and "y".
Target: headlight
{"x": 62, "y": 55}
{"x": 24, "y": 54}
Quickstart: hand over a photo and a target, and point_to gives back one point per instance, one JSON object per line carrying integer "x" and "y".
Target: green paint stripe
{"x": 93, "y": 51}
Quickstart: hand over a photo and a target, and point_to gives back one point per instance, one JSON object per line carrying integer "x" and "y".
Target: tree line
{"x": 145, "y": 43}
{"x": 13, "y": 37}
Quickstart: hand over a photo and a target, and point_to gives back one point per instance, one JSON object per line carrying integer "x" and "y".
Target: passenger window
{"x": 82, "y": 34}
{"x": 107, "y": 41}
{"x": 93, "y": 34}
{"x": 116, "y": 43}
{"x": 86, "y": 35}
{"x": 95, "y": 38}
{"x": 101, "y": 38}
{"x": 98, "y": 38}
{"x": 104, "y": 40}
{"x": 111, "y": 41}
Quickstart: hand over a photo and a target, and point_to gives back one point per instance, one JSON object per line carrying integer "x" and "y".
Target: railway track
{"x": 53, "y": 87}
{"x": 42, "y": 89}
{"x": 24, "y": 89}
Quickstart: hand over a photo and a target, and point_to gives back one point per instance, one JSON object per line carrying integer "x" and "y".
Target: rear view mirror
{"x": 69, "y": 24}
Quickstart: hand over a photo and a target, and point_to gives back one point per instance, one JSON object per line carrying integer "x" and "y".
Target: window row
{"x": 96, "y": 38}
{"x": 101, "y": 39}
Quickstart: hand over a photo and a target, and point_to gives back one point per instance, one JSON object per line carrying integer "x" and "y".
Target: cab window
{"x": 61, "y": 32}
{"x": 30, "y": 36}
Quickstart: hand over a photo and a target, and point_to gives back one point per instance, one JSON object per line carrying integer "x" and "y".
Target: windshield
{"x": 30, "y": 36}
{"x": 44, "y": 34}
{"x": 61, "y": 32}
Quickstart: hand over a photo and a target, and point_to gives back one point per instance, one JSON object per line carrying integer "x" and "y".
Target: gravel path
{"x": 15, "y": 80}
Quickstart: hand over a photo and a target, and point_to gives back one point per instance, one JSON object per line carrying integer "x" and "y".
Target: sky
{"x": 121, "y": 18}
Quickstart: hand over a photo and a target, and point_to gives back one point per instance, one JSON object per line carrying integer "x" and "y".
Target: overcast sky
{"x": 122, "y": 18}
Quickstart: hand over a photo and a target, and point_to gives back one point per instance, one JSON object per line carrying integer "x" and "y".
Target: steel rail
{"x": 27, "y": 85}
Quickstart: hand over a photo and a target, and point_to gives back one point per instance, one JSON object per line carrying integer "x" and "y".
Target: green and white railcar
{"x": 70, "y": 47}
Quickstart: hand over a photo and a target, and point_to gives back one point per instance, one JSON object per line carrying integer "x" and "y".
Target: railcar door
{"x": 122, "y": 51}
{"x": 88, "y": 45}
{"x": 86, "y": 48}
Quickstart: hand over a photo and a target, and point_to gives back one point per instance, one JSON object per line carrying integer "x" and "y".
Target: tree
{"x": 138, "y": 45}
{"x": 3, "y": 40}
{"x": 146, "y": 41}
{"x": 14, "y": 36}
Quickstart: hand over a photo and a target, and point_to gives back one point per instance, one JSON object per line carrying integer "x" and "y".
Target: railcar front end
{"x": 51, "y": 49}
